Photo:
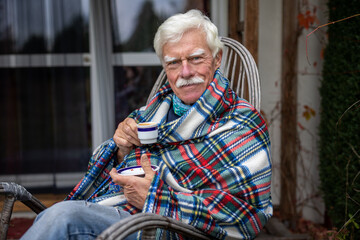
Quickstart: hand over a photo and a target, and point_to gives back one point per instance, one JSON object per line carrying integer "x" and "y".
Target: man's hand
{"x": 126, "y": 137}
{"x": 135, "y": 188}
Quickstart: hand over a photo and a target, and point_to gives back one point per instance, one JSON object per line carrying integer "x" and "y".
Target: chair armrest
{"x": 21, "y": 194}
{"x": 148, "y": 223}
{"x": 13, "y": 192}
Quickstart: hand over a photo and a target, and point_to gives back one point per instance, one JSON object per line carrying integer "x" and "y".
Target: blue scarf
{"x": 179, "y": 107}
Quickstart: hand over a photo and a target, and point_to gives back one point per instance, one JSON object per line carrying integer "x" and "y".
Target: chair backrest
{"x": 238, "y": 66}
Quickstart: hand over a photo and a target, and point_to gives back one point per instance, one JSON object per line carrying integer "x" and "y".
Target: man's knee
{"x": 63, "y": 211}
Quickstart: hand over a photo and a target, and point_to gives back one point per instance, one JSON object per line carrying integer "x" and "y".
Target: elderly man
{"x": 213, "y": 152}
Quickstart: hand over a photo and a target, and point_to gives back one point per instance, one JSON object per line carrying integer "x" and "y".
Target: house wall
{"x": 309, "y": 75}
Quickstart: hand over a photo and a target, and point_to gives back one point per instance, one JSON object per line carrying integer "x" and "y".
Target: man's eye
{"x": 195, "y": 59}
{"x": 173, "y": 63}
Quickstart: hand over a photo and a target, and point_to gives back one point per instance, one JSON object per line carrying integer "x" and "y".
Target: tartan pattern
{"x": 99, "y": 167}
{"x": 214, "y": 161}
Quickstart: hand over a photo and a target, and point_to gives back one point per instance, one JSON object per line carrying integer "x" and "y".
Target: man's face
{"x": 189, "y": 65}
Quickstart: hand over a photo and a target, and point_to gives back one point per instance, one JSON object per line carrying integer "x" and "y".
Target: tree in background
{"x": 340, "y": 115}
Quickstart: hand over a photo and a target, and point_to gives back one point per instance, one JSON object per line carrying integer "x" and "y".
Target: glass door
{"x": 45, "y": 126}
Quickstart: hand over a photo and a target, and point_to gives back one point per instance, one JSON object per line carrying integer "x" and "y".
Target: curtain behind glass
{"x": 43, "y": 26}
{"x": 45, "y": 123}
{"x": 136, "y": 21}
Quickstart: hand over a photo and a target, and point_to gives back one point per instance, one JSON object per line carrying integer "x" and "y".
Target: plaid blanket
{"x": 214, "y": 161}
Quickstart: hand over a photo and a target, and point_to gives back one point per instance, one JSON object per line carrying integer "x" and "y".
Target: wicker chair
{"x": 12, "y": 193}
{"x": 237, "y": 65}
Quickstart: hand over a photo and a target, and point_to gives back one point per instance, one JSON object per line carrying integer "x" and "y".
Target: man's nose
{"x": 186, "y": 69}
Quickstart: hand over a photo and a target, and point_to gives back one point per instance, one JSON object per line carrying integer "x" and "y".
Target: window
{"x": 44, "y": 91}
{"x": 46, "y": 81}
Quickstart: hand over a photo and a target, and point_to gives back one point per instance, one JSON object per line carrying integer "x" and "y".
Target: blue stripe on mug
{"x": 147, "y": 129}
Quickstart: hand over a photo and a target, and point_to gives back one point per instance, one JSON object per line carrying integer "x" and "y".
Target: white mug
{"x": 148, "y": 132}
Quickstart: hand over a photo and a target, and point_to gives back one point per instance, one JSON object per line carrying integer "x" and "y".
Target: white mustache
{"x": 186, "y": 82}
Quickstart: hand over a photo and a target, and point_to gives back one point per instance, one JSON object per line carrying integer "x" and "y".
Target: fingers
{"x": 117, "y": 178}
{"x": 126, "y": 134}
{"x": 130, "y": 128}
{"x": 122, "y": 152}
{"x": 124, "y": 138}
{"x": 135, "y": 188}
{"x": 146, "y": 166}
{"x": 114, "y": 175}
{"x": 126, "y": 180}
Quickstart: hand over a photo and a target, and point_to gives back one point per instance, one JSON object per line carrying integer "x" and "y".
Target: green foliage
{"x": 340, "y": 115}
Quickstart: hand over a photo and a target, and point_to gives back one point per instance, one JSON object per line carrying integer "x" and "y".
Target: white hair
{"x": 174, "y": 27}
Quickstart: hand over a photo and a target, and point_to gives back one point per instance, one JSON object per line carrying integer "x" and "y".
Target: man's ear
{"x": 218, "y": 58}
